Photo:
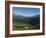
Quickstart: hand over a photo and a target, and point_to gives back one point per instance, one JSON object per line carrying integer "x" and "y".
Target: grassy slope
{"x": 20, "y": 25}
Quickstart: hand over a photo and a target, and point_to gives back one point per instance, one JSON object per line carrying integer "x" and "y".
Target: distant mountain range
{"x": 35, "y": 18}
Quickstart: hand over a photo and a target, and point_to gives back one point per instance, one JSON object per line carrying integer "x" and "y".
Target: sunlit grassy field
{"x": 22, "y": 26}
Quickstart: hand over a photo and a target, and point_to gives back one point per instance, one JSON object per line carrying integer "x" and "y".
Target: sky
{"x": 26, "y": 11}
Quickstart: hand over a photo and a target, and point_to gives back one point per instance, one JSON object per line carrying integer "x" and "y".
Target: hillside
{"x": 26, "y": 23}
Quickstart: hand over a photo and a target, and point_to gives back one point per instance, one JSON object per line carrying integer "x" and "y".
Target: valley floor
{"x": 22, "y": 26}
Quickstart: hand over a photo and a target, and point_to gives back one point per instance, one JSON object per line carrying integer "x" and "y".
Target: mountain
{"x": 30, "y": 20}
{"x": 33, "y": 20}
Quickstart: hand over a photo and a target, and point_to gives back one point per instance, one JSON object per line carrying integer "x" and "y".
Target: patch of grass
{"x": 22, "y": 26}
